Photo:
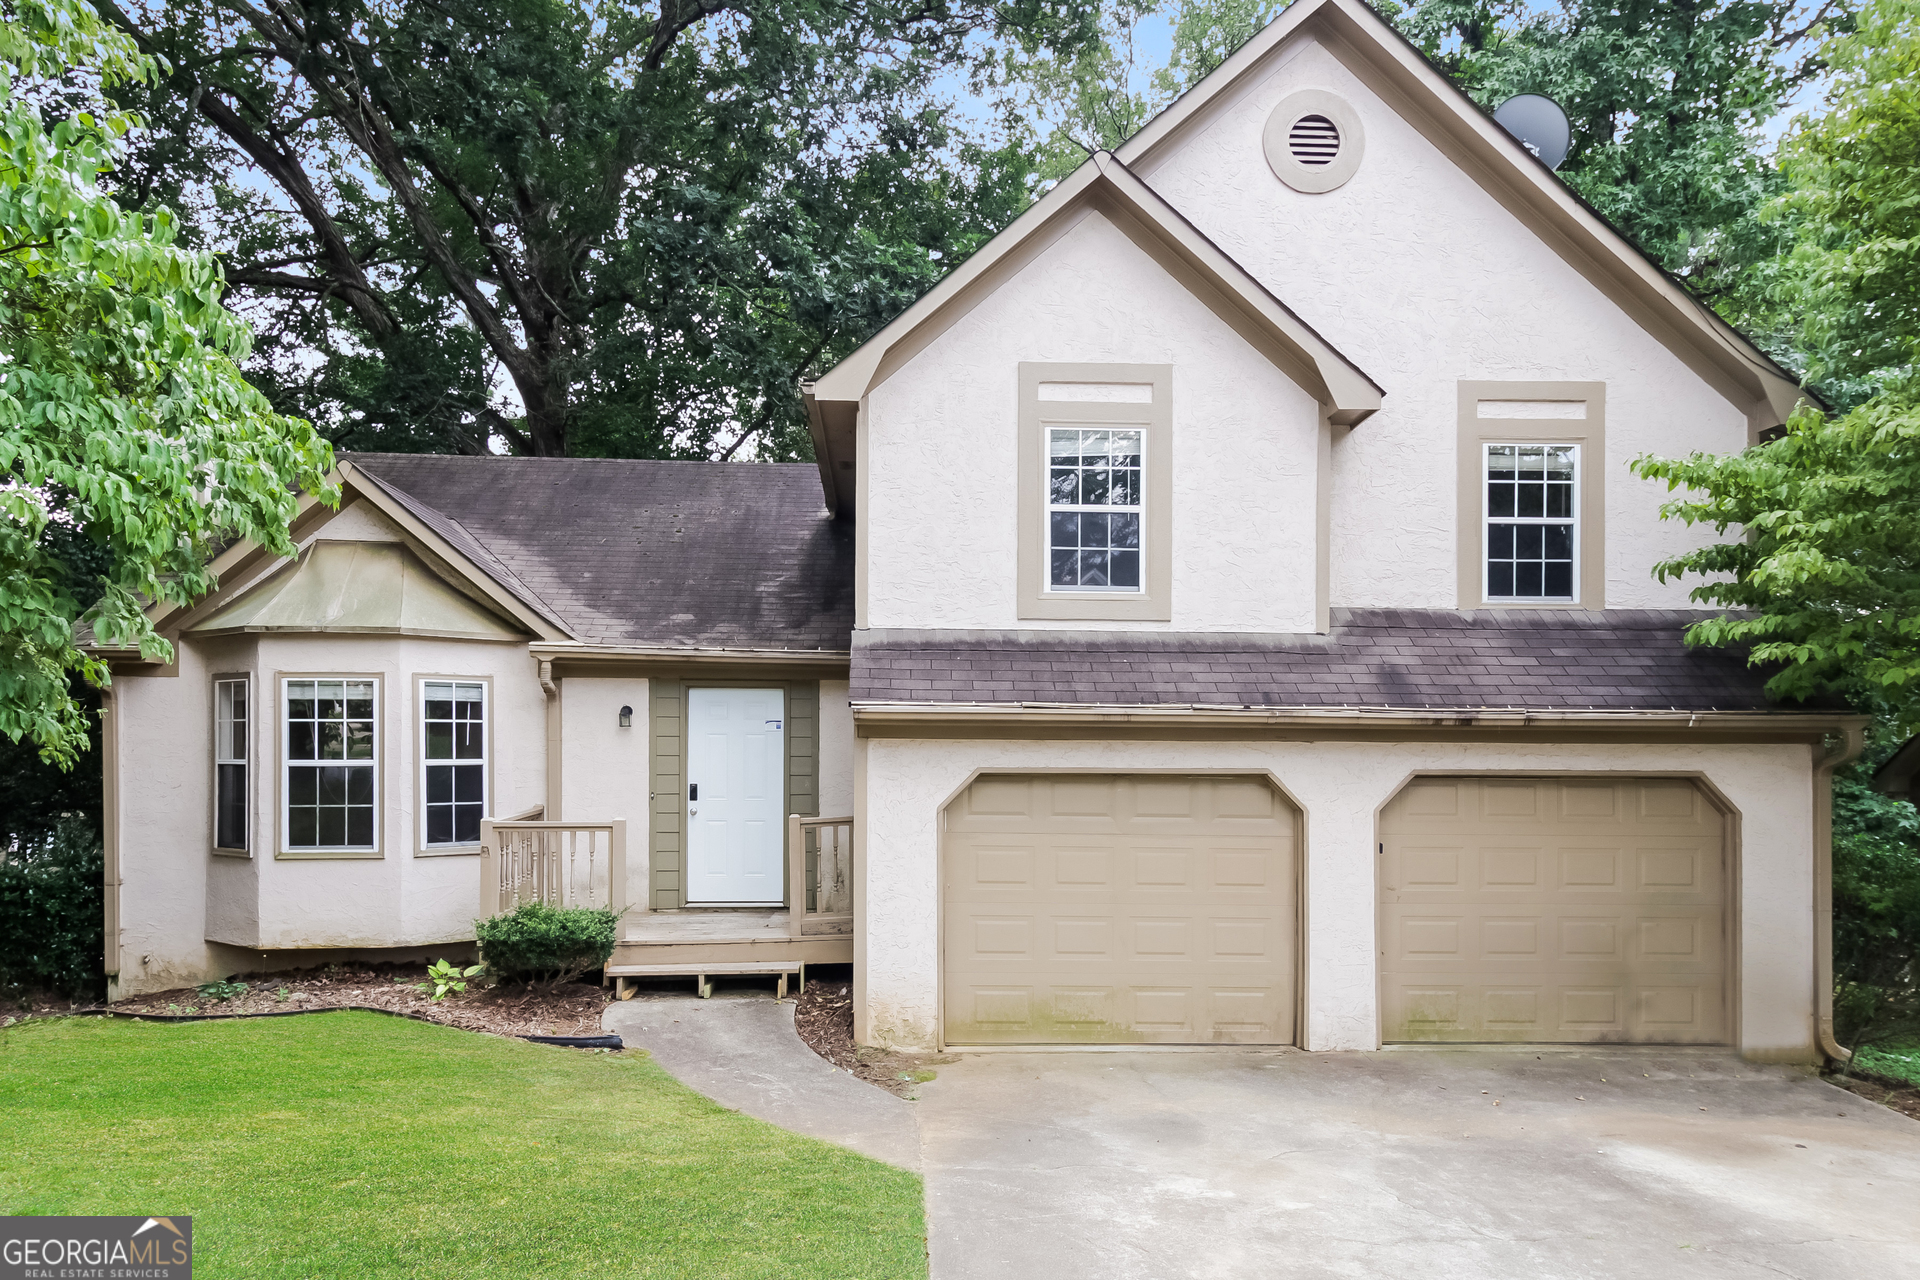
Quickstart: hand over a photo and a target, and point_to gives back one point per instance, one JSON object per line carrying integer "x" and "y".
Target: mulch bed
{"x": 823, "y": 1015}
{"x": 571, "y": 1010}
{"x": 1893, "y": 1094}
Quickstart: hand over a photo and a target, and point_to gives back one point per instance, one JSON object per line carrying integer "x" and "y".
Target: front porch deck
{"x": 585, "y": 864}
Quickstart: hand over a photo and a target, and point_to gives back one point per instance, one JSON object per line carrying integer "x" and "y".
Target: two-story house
{"x": 1222, "y": 612}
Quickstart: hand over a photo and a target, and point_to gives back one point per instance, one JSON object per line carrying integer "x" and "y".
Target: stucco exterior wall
{"x": 1423, "y": 279}
{"x": 836, "y": 750}
{"x": 186, "y": 907}
{"x": 943, "y": 456}
{"x": 603, "y": 767}
{"x": 1340, "y": 788}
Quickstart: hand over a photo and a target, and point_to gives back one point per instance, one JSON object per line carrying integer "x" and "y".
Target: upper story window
{"x": 1094, "y": 514}
{"x": 230, "y": 764}
{"x": 332, "y": 755}
{"x": 1094, "y": 505}
{"x": 1532, "y": 495}
{"x": 1532, "y": 515}
{"x": 453, "y": 721}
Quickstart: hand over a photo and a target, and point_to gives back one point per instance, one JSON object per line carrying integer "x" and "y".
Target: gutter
{"x": 1831, "y": 755}
{"x": 1752, "y": 724}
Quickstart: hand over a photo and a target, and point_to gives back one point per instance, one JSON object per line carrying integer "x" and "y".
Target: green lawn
{"x": 352, "y": 1144}
{"x": 1896, "y": 1062}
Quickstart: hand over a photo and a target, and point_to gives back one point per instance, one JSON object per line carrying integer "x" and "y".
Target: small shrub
{"x": 444, "y": 979}
{"x": 544, "y": 945}
{"x": 52, "y": 913}
{"x": 221, "y": 989}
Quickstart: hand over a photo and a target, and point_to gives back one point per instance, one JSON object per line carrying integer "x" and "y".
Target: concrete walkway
{"x": 1422, "y": 1164}
{"x": 741, "y": 1050}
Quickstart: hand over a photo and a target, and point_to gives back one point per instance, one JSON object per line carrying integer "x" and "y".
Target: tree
{"x": 123, "y": 418}
{"x": 1666, "y": 98}
{"x": 589, "y": 228}
{"x": 1827, "y": 573}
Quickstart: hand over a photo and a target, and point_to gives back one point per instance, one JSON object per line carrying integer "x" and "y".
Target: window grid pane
{"x": 1094, "y": 508}
{"x": 331, "y": 757}
{"x": 230, "y": 765}
{"x": 1531, "y": 521}
{"x": 454, "y": 728}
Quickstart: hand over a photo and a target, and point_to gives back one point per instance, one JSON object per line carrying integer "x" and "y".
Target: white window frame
{"x": 288, "y": 764}
{"x": 1137, "y": 509}
{"x": 1487, "y": 519}
{"x": 222, "y": 758}
{"x": 422, "y": 684}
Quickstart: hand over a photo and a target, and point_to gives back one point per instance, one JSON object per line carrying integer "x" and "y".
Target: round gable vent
{"x": 1313, "y": 141}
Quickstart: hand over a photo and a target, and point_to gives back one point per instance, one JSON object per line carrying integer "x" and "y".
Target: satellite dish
{"x": 1539, "y": 124}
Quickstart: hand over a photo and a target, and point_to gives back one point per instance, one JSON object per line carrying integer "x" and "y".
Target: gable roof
{"x": 1393, "y": 68}
{"x": 628, "y": 554}
{"x": 1103, "y": 185}
{"x": 378, "y": 588}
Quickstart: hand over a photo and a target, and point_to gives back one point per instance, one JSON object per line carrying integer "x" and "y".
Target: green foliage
{"x": 325, "y": 1145}
{"x": 1827, "y": 569}
{"x": 444, "y": 979}
{"x": 1827, "y": 576}
{"x": 122, "y": 414}
{"x": 221, "y": 989}
{"x": 546, "y": 945}
{"x": 52, "y": 913}
{"x": 1855, "y": 206}
{"x": 650, "y": 221}
{"x": 1895, "y": 1061}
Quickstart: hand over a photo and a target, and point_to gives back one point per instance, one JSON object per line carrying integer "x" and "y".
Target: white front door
{"x": 736, "y": 769}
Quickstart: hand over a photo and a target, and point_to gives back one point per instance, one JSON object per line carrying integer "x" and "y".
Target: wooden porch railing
{"x": 820, "y": 875}
{"x": 564, "y": 864}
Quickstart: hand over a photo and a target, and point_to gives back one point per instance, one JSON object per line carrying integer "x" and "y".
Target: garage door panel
{"x": 1605, "y": 919}
{"x": 1150, "y": 909}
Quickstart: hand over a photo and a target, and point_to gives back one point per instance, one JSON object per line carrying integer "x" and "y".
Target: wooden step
{"x": 620, "y": 973}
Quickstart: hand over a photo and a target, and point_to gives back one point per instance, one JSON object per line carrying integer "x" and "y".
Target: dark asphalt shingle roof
{"x": 622, "y": 552}
{"x": 1416, "y": 659}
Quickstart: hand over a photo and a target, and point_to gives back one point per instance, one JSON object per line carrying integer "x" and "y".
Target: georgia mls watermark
{"x": 52, "y": 1248}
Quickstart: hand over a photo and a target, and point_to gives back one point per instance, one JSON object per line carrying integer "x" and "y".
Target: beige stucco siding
{"x": 603, "y": 768}
{"x": 1423, "y": 279}
{"x": 1339, "y": 787}
{"x": 942, "y": 456}
{"x": 836, "y": 750}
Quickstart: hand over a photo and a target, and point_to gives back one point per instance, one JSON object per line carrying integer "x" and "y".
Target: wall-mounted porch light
{"x": 626, "y": 717}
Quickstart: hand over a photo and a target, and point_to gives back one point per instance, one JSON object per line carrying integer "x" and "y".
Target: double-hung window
{"x": 453, "y": 723}
{"x": 1094, "y": 509}
{"x": 1532, "y": 521}
{"x": 1095, "y": 503}
{"x": 230, "y": 765}
{"x": 332, "y": 754}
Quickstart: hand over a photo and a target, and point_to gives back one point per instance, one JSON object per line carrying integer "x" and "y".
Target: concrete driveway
{"x": 1410, "y": 1163}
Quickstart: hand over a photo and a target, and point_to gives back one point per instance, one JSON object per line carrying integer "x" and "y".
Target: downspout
{"x": 552, "y": 690}
{"x": 1831, "y": 755}
{"x": 110, "y": 840}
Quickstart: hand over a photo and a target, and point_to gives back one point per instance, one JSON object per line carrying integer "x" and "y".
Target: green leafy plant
{"x": 51, "y": 914}
{"x": 547, "y": 946}
{"x": 444, "y": 979}
{"x": 122, "y": 410}
{"x": 221, "y": 989}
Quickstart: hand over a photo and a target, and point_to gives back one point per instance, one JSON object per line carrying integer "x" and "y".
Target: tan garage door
{"x": 1553, "y": 910}
{"x": 1120, "y": 909}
